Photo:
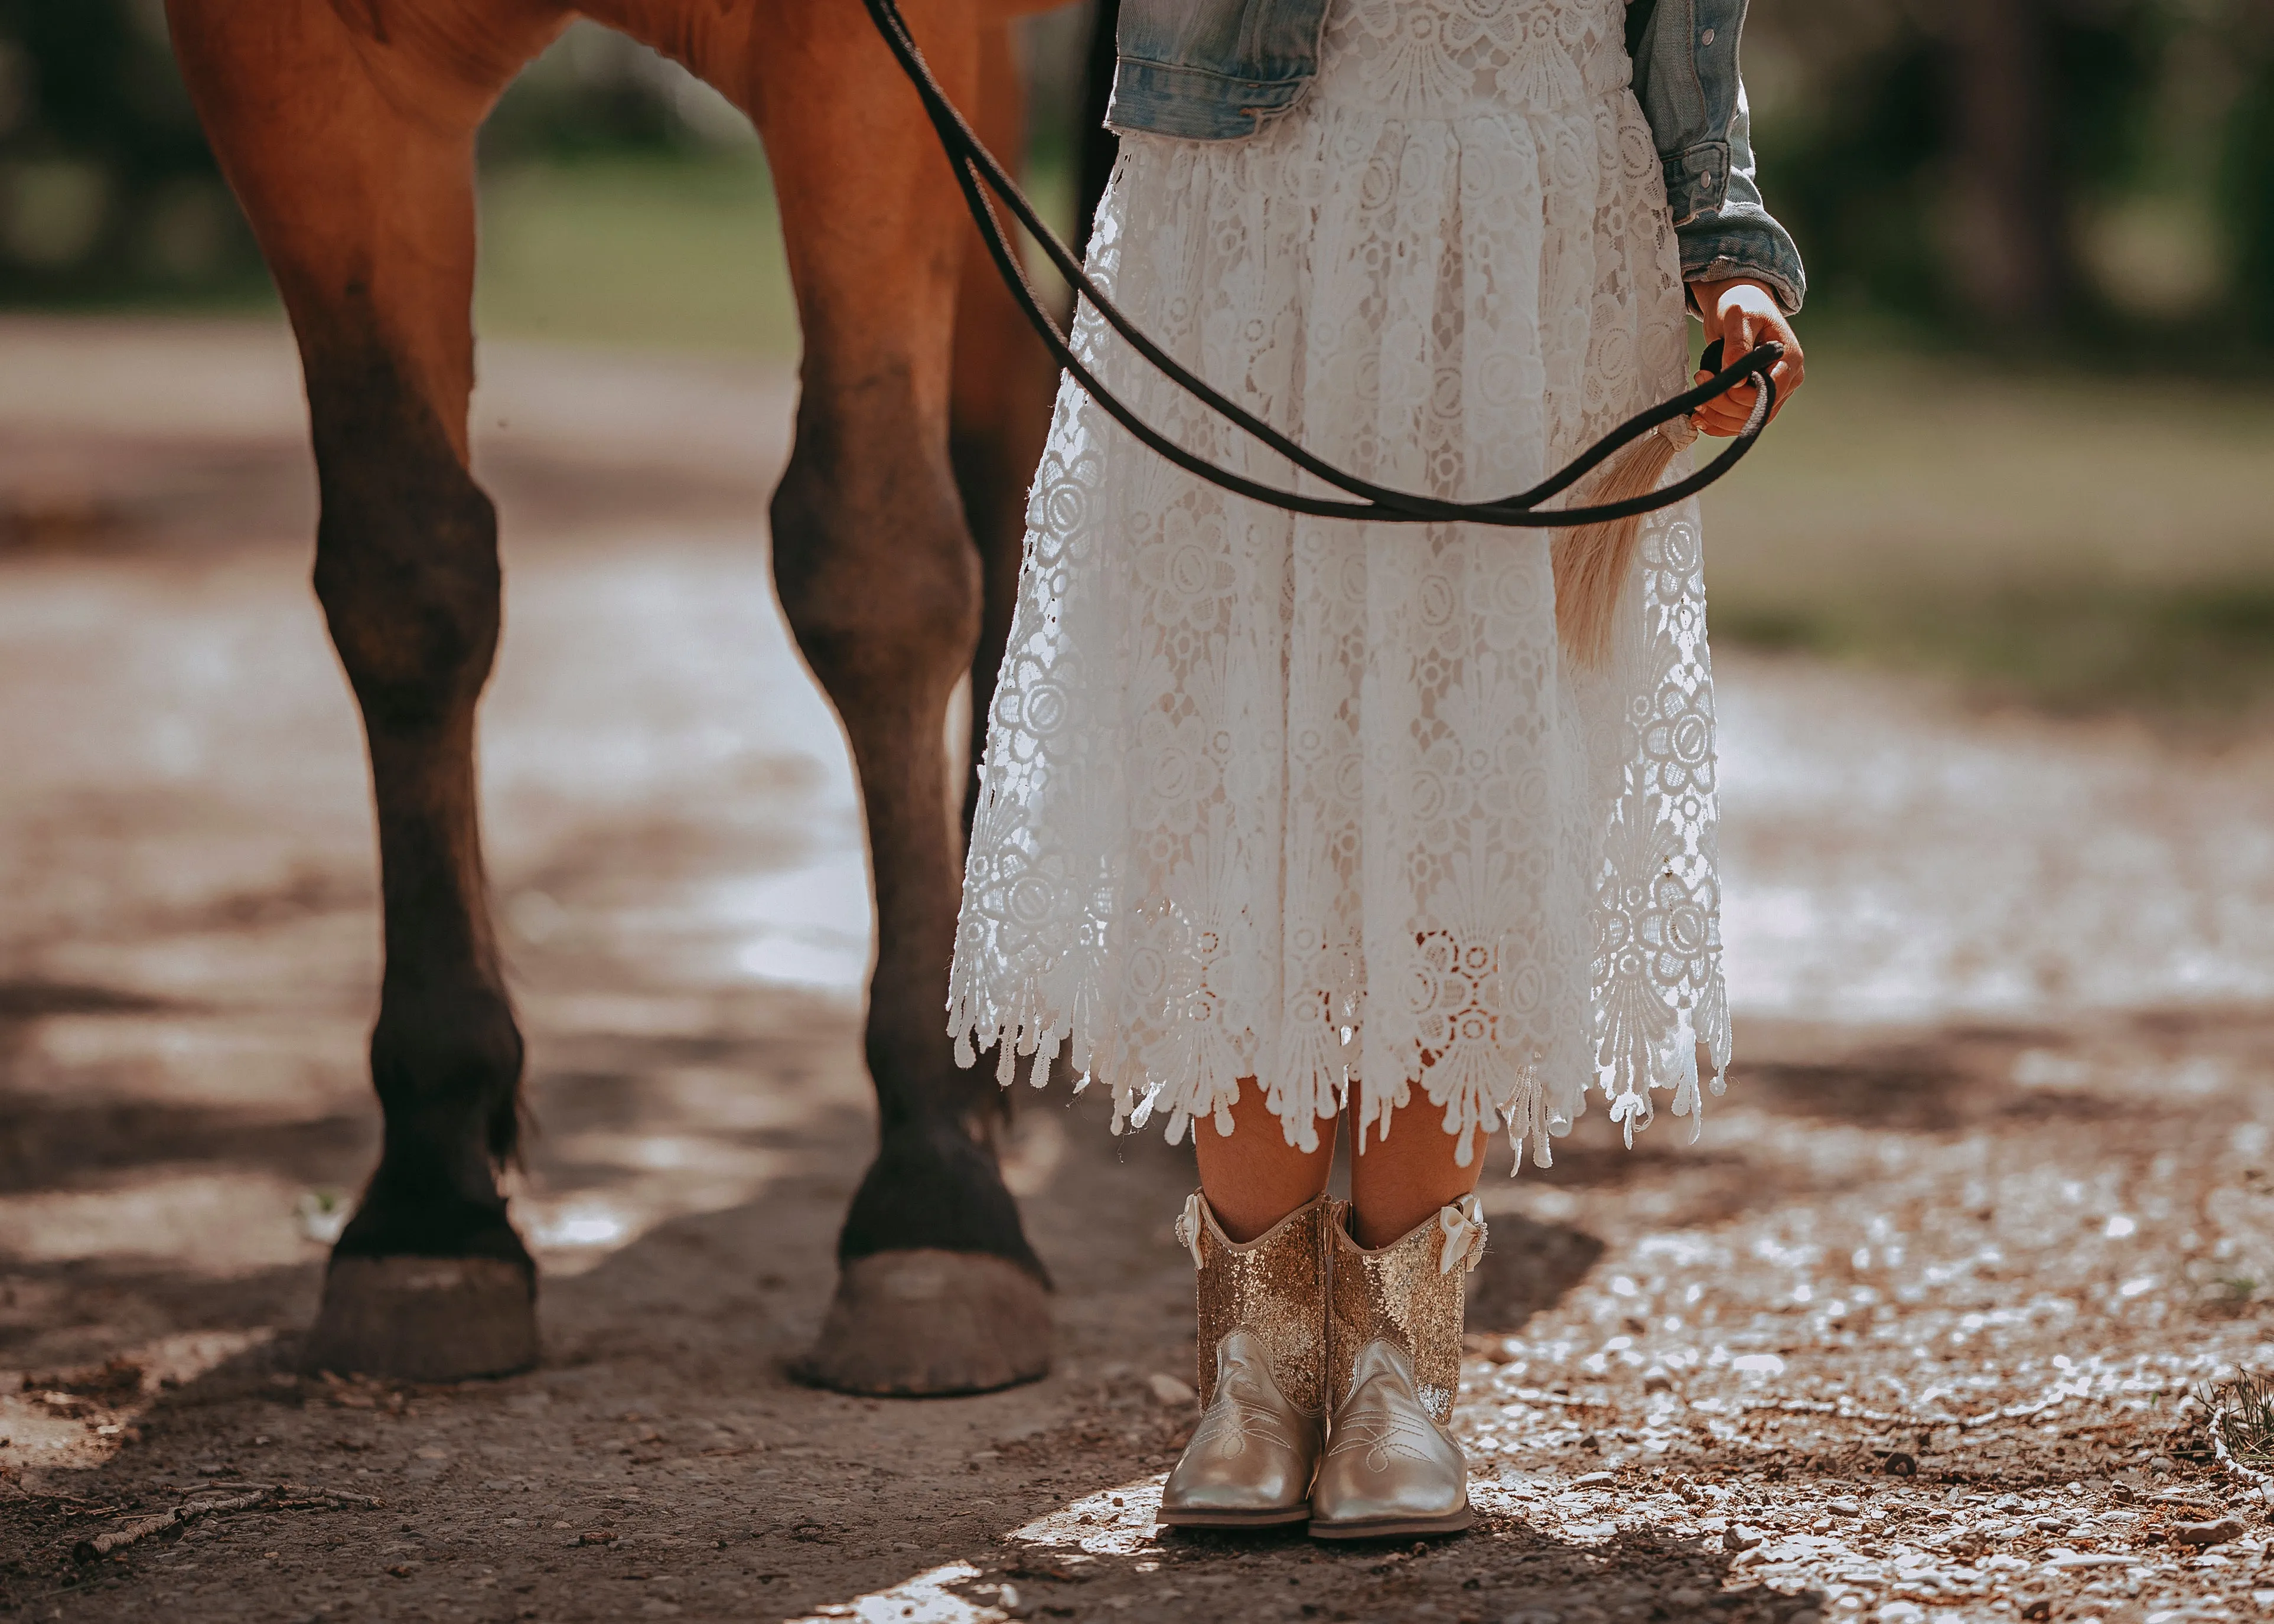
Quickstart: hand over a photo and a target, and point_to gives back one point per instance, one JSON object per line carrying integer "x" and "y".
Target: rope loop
{"x": 978, "y": 172}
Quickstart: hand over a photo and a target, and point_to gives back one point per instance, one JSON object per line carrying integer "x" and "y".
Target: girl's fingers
{"x": 1729, "y": 414}
{"x": 1742, "y": 326}
{"x": 1739, "y": 394}
{"x": 1787, "y": 378}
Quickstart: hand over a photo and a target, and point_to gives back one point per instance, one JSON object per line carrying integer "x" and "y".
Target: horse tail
{"x": 1593, "y": 561}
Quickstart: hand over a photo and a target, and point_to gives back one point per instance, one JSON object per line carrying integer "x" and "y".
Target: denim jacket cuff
{"x": 1166, "y": 98}
{"x": 1751, "y": 245}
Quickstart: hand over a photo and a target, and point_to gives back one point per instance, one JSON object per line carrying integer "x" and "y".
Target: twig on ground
{"x": 1825, "y": 1407}
{"x": 96, "y": 1547}
{"x": 247, "y": 1496}
{"x": 296, "y": 1495}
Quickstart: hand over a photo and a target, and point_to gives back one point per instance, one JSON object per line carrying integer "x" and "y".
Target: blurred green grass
{"x": 2066, "y": 540}
{"x": 673, "y": 255}
{"x": 2072, "y": 542}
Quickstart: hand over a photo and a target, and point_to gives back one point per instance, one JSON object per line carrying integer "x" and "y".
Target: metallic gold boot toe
{"x": 1252, "y": 1458}
{"x": 1391, "y": 1469}
{"x": 1263, "y": 1373}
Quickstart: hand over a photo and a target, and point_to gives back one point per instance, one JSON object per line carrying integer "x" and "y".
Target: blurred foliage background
{"x": 2097, "y": 170}
{"x": 2035, "y": 449}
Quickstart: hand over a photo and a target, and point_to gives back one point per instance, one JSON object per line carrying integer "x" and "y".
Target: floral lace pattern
{"x": 1311, "y": 801}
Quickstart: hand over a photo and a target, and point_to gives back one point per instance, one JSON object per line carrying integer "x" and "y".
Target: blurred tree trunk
{"x": 2015, "y": 258}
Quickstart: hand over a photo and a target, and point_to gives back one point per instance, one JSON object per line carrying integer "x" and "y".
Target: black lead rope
{"x": 978, "y": 172}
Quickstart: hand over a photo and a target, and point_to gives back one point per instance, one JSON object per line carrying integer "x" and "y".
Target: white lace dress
{"x": 1321, "y": 804}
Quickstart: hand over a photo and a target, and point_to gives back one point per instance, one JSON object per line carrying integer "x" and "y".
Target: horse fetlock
{"x": 422, "y": 1205}
{"x": 455, "y": 1037}
{"x": 447, "y": 1067}
{"x": 454, "y": 1052}
{"x": 936, "y": 1186}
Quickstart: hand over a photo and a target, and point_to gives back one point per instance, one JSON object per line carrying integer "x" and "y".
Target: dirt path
{"x": 1910, "y": 1336}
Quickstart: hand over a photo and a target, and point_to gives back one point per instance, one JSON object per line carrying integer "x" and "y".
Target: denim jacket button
{"x": 1705, "y": 38}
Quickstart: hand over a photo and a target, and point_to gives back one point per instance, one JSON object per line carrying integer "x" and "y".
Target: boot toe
{"x": 1390, "y": 1468}
{"x": 1250, "y": 1461}
{"x": 1238, "y": 1489}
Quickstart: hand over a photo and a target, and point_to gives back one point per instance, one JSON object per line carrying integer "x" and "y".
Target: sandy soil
{"x": 1914, "y": 1333}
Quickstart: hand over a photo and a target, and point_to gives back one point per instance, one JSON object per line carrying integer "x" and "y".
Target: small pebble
{"x": 1656, "y": 1380}
{"x": 1847, "y": 1508}
{"x": 2207, "y": 1534}
{"x": 1737, "y": 1537}
{"x": 1168, "y": 1390}
{"x": 1588, "y": 1480}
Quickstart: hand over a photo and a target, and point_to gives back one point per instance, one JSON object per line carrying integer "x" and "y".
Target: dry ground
{"x": 1911, "y": 1334}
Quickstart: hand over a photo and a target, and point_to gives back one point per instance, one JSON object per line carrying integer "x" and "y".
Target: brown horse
{"x": 347, "y": 129}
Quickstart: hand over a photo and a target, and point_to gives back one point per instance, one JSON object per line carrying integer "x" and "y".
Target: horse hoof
{"x": 424, "y": 1318}
{"x": 924, "y": 1323}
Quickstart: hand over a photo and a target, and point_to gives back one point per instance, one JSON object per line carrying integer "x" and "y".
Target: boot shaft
{"x": 1273, "y": 1287}
{"x": 1411, "y": 1292}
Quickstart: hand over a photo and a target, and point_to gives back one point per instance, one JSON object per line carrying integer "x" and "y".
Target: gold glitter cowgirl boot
{"x": 1262, "y": 1373}
{"x": 1394, "y": 1365}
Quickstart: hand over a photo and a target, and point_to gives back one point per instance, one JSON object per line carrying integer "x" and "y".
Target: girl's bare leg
{"x": 1400, "y": 1178}
{"x": 1253, "y": 1176}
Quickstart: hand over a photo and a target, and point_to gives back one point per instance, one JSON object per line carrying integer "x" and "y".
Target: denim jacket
{"x": 1216, "y": 70}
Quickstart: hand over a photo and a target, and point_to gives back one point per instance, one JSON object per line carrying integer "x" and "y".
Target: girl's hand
{"x": 1743, "y": 313}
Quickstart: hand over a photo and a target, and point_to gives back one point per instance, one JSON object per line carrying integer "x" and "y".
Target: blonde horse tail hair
{"x": 1593, "y": 561}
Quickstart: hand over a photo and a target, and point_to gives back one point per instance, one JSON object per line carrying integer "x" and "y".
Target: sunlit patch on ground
{"x": 74, "y": 1420}
{"x": 1115, "y": 1521}
{"x": 928, "y": 1598}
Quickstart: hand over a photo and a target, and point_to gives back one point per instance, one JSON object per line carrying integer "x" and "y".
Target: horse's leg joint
{"x": 406, "y": 555}
{"x": 876, "y": 574}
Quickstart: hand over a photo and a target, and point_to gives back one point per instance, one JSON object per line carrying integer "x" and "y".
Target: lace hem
{"x": 1657, "y": 998}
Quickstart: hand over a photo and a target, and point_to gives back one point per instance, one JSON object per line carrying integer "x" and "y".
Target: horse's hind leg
{"x": 350, "y": 146}
{"x": 939, "y": 1291}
